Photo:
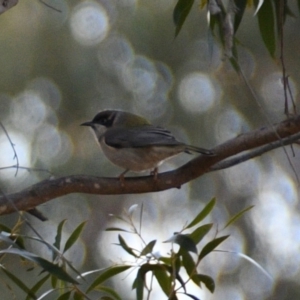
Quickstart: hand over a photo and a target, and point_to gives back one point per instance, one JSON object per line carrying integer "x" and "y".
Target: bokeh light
{"x": 197, "y": 93}
{"x": 229, "y": 124}
{"x": 273, "y": 93}
{"x": 89, "y": 23}
{"x": 275, "y": 212}
{"x": 7, "y": 158}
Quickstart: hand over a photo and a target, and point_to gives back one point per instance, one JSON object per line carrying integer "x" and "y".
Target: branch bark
{"x": 49, "y": 189}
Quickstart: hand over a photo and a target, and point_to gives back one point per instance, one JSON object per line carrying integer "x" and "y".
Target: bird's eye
{"x": 105, "y": 118}
{"x": 107, "y": 122}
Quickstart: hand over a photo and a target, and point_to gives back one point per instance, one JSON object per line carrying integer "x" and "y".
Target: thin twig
{"x": 252, "y": 91}
{"x": 52, "y": 7}
{"x": 13, "y": 147}
{"x": 26, "y": 168}
{"x": 254, "y": 153}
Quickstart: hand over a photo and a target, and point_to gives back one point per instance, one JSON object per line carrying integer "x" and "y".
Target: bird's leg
{"x": 154, "y": 173}
{"x": 122, "y": 179}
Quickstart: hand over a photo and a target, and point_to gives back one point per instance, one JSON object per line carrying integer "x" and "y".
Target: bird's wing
{"x": 139, "y": 137}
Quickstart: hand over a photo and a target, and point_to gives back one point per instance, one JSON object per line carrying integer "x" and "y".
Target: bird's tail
{"x": 203, "y": 151}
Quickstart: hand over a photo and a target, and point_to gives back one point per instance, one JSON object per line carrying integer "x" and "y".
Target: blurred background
{"x": 58, "y": 69}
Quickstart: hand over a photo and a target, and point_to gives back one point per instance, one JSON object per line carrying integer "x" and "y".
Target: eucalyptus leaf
{"x": 210, "y": 246}
{"x": 203, "y": 213}
{"x": 181, "y": 11}
{"x": 208, "y": 281}
{"x": 266, "y": 21}
{"x": 237, "y": 216}
{"x": 128, "y": 249}
{"x": 74, "y": 236}
{"x": 108, "y": 273}
{"x": 148, "y": 248}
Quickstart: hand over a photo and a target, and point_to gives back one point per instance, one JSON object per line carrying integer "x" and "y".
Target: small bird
{"x": 132, "y": 143}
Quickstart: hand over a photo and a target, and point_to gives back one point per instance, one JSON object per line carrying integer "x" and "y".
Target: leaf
{"x": 108, "y": 273}
{"x": 237, "y": 216}
{"x": 181, "y": 11}
{"x": 53, "y": 269}
{"x": 65, "y": 296}
{"x": 184, "y": 241}
{"x": 203, "y": 213}
{"x": 139, "y": 286}
{"x": 149, "y": 248}
{"x": 110, "y": 291}
{"x": 5, "y": 228}
{"x": 266, "y": 21}
{"x": 123, "y": 244}
{"x": 199, "y": 233}
{"x": 37, "y": 286}
{"x": 164, "y": 280}
{"x": 74, "y": 236}
{"x": 78, "y": 296}
{"x": 19, "y": 283}
{"x": 208, "y": 281}
{"x": 187, "y": 262}
{"x": 240, "y": 6}
{"x": 53, "y": 282}
{"x": 210, "y": 246}
{"x": 139, "y": 282}
{"x": 59, "y": 235}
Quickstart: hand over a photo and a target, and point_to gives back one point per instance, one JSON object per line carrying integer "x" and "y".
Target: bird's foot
{"x": 154, "y": 173}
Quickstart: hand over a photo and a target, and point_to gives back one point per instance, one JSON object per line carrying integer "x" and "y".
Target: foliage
{"x": 168, "y": 270}
{"x": 226, "y": 20}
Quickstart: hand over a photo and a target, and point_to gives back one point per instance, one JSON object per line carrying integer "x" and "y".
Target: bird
{"x": 134, "y": 144}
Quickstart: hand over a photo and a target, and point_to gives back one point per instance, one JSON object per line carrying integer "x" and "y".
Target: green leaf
{"x": 208, "y": 281}
{"x": 45, "y": 264}
{"x": 74, "y": 236}
{"x": 139, "y": 286}
{"x": 108, "y": 273}
{"x": 123, "y": 244}
{"x": 203, "y": 213}
{"x": 53, "y": 281}
{"x": 237, "y": 216}
{"x": 19, "y": 283}
{"x": 5, "y": 228}
{"x": 149, "y": 248}
{"x": 78, "y": 296}
{"x": 164, "y": 280}
{"x": 166, "y": 259}
{"x": 110, "y": 291}
{"x": 37, "y": 286}
{"x": 184, "y": 241}
{"x": 139, "y": 282}
{"x": 65, "y": 296}
{"x": 210, "y": 246}
{"x": 59, "y": 235}
{"x": 181, "y": 11}
{"x": 266, "y": 21}
{"x": 199, "y": 233}
{"x": 187, "y": 262}
{"x": 240, "y": 6}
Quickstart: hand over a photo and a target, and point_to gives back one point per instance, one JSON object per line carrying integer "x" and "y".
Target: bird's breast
{"x": 140, "y": 158}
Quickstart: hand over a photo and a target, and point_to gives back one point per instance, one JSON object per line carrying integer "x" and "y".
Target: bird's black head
{"x": 105, "y": 118}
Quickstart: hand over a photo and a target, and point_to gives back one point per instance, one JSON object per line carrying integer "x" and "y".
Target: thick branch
{"x": 56, "y": 187}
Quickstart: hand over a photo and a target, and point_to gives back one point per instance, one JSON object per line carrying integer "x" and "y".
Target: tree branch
{"x": 49, "y": 189}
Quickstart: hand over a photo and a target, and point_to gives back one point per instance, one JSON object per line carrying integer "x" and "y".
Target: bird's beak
{"x": 87, "y": 124}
